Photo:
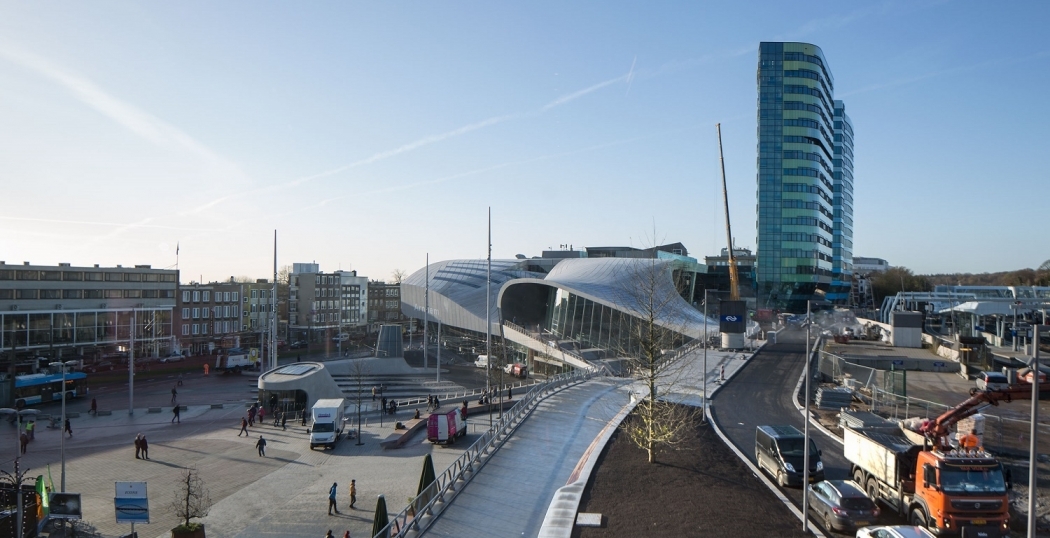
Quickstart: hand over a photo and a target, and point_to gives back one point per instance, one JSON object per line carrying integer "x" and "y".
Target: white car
{"x": 896, "y": 531}
{"x": 992, "y": 381}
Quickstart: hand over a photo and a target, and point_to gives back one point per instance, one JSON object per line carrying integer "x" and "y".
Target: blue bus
{"x": 39, "y": 388}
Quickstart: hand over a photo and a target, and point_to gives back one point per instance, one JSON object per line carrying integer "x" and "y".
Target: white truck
{"x": 235, "y": 360}
{"x": 328, "y": 423}
{"x": 482, "y": 362}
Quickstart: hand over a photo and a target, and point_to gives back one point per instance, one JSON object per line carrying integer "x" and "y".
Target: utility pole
{"x": 1034, "y": 433}
{"x": 805, "y": 443}
{"x": 131, "y": 368}
{"x": 488, "y": 315}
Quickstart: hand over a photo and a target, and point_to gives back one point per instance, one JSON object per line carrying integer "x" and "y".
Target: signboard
{"x": 733, "y": 319}
{"x": 131, "y": 503}
{"x": 65, "y": 505}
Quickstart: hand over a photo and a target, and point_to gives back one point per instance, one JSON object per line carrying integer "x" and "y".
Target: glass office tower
{"x": 797, "y": 204}
{"x": 842, "y": 249}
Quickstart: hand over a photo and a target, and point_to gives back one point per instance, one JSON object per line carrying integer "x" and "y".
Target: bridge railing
{"x": 421, "y": 512}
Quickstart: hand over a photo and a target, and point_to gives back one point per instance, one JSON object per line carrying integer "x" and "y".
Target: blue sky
{"x": 369, "y": 134}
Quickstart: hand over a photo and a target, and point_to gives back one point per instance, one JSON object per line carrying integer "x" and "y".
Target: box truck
{"x": 328, "y": 423}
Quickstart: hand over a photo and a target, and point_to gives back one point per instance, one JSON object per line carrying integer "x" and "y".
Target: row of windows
{"x": 811, "y": 189}
{"x": 800, "y": 204}
{"x": 260, "y": 294}
{"x": 805, "y": 122}
{"x": 214, "y": 312}
{"x": 202, "y": 328}
{"x": 809, "y": 172}
{"x": 791, "y": 139}
{"x": 801, "y": 253}
{"x": 844, "y": 138}
{"x": 844, "y": 125}
{"x": 198, "y": 296}
{"x": 804, "y": 238}
{"x": 808, "y": 156}
{"x": 806, "y": 73}
{"x": 799, "y": 105}
{"x": 806, "y": 90}
{"x": 76, "y": 276}
{"x": 9, "y": 294}
{"x": 807, "y": 221}
{"x": 803, "y": 57}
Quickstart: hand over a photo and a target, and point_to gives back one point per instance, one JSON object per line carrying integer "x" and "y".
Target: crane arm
{"x": 941, "y": 426}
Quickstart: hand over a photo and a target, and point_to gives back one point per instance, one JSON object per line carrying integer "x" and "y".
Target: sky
{"x": 369, "y": 135}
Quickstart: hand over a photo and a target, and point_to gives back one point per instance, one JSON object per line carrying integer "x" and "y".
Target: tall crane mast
{"x": 734, "y": 278}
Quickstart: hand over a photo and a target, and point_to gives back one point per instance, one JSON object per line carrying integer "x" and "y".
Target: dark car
{"x": 298, "y": 344}
{"x": 841, "y": 505}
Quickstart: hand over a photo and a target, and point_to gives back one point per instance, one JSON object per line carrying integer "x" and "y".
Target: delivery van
{"x": 445, "y": 427}
{"x": 482, "y": 362}
{"x": 328, "y": 423}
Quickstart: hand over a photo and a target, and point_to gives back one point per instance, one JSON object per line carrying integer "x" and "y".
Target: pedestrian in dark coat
{"x": 94, "y": 407}
{"x": 23, "y": 439}
{"x": 175, "y": 412}
{"x": 69, "y": 428}
{"x": 384, "y": 404}
{"x": 261, "y": 445}
{"x": 284, "y": 420}
{"x": 331, "y": 499}
{"x": 145, "y": 447}
{"x": 174, "y": 393}
{"x": 138, "y": 446}
{"x": 306, "y": 416}
{"x": 244, "y": 427}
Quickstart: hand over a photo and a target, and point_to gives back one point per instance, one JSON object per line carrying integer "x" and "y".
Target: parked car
{"x": 896, "y": 531}
{"x": 841, "y": 505}
{"x": 992, "y": 381}
{"x": 298, "y": 344}
{"x": 173, "y": 358}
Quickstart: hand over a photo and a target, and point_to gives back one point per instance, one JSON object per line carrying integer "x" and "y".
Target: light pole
{"x": 1036, "y": 331}
{"x": 703, "y": 416}
{"x": 805, "y": 435}
{"x": 62, "y": 432}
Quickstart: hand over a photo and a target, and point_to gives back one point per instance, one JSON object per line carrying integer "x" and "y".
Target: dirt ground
{"x": 700, "y": 490}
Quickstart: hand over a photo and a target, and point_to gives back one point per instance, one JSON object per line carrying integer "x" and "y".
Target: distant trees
{"x": 896, "y": 279}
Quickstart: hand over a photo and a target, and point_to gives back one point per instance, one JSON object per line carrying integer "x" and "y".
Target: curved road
{"x": 761, "y": 393}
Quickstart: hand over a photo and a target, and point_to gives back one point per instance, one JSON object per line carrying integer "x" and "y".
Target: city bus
{"x": 39, "y": 388}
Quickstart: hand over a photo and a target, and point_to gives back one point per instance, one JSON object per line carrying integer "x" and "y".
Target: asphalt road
{"x": 761, "y": 393}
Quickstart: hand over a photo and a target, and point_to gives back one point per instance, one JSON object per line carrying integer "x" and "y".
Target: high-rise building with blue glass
{"x": 805, "y": 180}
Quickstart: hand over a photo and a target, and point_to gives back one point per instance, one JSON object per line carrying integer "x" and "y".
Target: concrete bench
{"x": 104, "y": 413}
{"x": 400, "y": 437}
{"x": 153, "y": 410}
{"x": 216, "y": 406}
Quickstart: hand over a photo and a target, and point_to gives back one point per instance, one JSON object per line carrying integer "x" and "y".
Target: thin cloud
{"x": 630, "y": 76}
{"x": 143, "y": 224}
{"x": 142, "y": 124}
{"x": 943, "y": 72}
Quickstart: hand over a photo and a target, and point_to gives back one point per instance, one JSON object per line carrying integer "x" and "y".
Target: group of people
{"x": 256, "y": 411}
{"x": 390, "y": 407}
{"x": 332, "y": 505}
{"x": 433, "y": 403}
{"x": 141, "y": 447}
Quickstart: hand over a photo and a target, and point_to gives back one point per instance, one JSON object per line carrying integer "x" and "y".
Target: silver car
{"x": 841, "y": 505}
{"x": 898, "y": 531}
{"x": 992, "y": 381}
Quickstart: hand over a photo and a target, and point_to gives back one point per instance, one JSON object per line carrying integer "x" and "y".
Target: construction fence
{"x": 886, "y": 392}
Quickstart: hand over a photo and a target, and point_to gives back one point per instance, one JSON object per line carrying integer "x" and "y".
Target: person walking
{"x": 31, "y": 430}
{"x": 23, "y": 440}
{"x": 373, "y": 393}
{"x": 138, "y": 446}
{"x": 94, "y": 407}
{"x": 68, "y": 428}
{"x": 244, "y": 428}
{"x": 353, "y": 493}
{"x": 306, "y": 416}
{"x": 145, "y": 446}
{"x": 261, "y": 445}
{"x": 284, "y": 420}
{"x": 346, "y": 534}
{"x": 329, "y": 534}
{"x": 251, "y": 415}
{"x": 384, "y": 404}
{"x": 262, "y": 415}
{"x": 175, "y": 412}
{"x": 464, "y": 411}
{"x": 174, "y": 393}
{"x": 331, "y": 499}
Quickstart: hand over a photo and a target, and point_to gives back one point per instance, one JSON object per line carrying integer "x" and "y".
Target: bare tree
{"x": 359, "y": 371}
{"x": 190, "y": 499}
{"x": 651, "y": 293}
{"x": 284, "y": 274}
{"x": 398, "y": 275}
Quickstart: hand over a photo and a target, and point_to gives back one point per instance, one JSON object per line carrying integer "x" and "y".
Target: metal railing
{"x": 423, "y": 509}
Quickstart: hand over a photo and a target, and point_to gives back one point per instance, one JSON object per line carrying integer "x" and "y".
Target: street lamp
{"x": 805, "y": 435}
{"x": 62, "y": 431}
{"x": 1036, "y": 331}
{"x": 703, "y": 416}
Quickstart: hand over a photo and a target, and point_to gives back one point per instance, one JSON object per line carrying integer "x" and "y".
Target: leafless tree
{"x": 398, "y": 275}
{"x": 191, "y": 498}
{"x": 652, "y": 295}
{"x": 359, "y": 372}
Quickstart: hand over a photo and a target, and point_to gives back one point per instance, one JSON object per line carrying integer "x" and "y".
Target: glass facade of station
{"x": 29, "y": 330}
{"x": 595, "y": 325}
{"x": 797, "y": 202}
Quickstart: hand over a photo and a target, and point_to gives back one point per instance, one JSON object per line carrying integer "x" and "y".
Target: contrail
{"x": 630, "y": 76}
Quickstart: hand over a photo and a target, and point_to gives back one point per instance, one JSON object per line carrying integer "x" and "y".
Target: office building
{"x": 802, "y": 180}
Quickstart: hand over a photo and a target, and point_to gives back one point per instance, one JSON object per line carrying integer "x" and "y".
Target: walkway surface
{"x": 510, "y": 496}
{"x": 286, "y": 492}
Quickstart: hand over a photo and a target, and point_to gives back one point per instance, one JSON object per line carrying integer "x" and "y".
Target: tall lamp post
{"x": 1036, "y": 331}
{"x": 805, "y": 443}
{"x": 62, "y": 432}
{"x": 703, "y": 416}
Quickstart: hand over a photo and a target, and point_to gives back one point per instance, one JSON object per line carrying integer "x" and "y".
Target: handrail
{"x": 473, "y": 459}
